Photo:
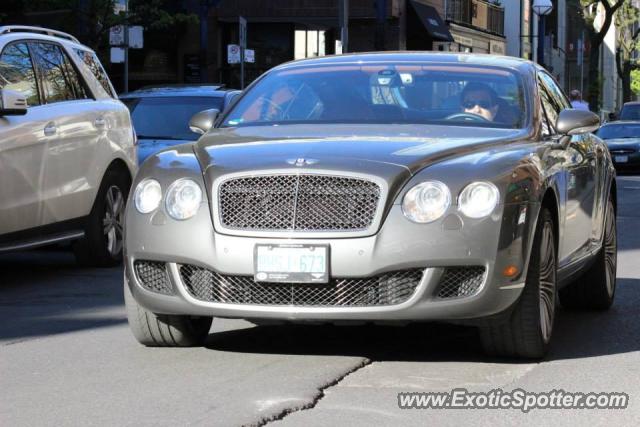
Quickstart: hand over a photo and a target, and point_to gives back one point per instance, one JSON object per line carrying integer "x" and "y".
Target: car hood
{"x": 149, "y": 146}
{"x": 356, "y": 148}
{"x": 621, "y": 142}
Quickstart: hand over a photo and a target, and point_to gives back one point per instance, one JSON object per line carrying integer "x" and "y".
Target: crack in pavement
{"x": 316, "y": 398}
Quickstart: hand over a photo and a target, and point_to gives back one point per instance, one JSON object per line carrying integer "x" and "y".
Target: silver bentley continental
{"x": 384, "y": 187}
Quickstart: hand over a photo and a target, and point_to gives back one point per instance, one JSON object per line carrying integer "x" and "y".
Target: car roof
{"x": 20, "y": 32}
{"x": 631, "y": 103}
{"x": 408, "y": 56}
{"x": 622, "y": 122}
{"x": 179, "y": 90}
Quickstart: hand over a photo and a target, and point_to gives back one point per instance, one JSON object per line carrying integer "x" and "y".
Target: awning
{"x": 432, "y": 22}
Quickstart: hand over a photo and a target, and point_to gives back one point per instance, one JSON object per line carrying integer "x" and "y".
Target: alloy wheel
{"x": 610, "y": 250}
{"x": 113, "y": 220}
{"x": 547, "y": 282}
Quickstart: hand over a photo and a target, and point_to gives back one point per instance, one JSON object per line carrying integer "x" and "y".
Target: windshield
{"x": 619, "y": 131}
{"x": 630, "y": 112}
{"x": 383, "y": 93}
{"x": 168, "y": 117}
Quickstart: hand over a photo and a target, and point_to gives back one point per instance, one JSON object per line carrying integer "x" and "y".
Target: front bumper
{"x": 626, "y": 158}
{"x": 492, "y": 243}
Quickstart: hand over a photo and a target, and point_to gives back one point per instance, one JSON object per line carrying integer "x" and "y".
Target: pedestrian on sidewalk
{"x": 577, "y": 102}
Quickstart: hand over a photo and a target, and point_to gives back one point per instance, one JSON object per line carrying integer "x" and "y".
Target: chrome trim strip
{"x": 47, "y": 241}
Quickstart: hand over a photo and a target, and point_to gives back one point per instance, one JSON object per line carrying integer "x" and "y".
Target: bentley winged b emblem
{"x": 301, "y": 161}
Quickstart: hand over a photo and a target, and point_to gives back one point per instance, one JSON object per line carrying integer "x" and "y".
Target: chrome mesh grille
{"x": 458, "y": 282}
{"x": 619, "y": 151}
{"x": 298, "y": 203}
{"x": 385, "y": 289}
{"x": 153, "y": 276}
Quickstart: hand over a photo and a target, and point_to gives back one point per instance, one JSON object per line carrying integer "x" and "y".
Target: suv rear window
{"x": 93, "y": 63}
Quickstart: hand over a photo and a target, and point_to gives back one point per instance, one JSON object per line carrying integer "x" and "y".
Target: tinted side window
{"x": 16, "y": 72}
{"x": 93, "y": 63}
{"x": 550, "y": 108}
{"x": 61, "y": 81}
{"x": 556, "y": 93}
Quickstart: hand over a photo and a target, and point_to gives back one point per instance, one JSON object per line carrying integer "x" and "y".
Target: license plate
{"x": 621, "y": 159}
{"x": 291, "y": 263}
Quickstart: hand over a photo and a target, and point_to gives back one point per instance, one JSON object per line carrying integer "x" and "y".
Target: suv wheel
{"x": 527, "y": 331}
{"x": 103, "y": 242}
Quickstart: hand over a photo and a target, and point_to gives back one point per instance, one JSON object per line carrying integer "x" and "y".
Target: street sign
{"x": 580, "y": 52}
{"x": 136, "y": 39}
{"x": 117, "y": 55}
{"x": 243, "y": 33}
{"x": 233, "y": 54}
{"x": 116, "y": 35}
{"x": 249, "y": 55}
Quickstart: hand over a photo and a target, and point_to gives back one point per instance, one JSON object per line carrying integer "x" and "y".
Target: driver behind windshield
{"x": 481, "y": 100}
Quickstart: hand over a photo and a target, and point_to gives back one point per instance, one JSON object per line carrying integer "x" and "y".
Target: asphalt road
{"x": 67, "y": 358}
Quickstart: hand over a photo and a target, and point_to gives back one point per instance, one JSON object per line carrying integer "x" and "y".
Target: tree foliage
{"x": 96, "y": 17}
{"x": 635, "y": 82}
{"x": 591, "y": 12}
{"x": 628, "y": 46}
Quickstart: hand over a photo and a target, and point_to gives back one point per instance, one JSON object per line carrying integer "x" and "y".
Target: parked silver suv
{"x": 67, "y": 147}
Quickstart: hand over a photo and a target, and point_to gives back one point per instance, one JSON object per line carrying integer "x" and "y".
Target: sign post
{"x": 243, "y": 46}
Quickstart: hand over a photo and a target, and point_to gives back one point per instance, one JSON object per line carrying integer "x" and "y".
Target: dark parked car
{"x": 161, "y": 114}
{"x": 379, "y": 187}
{"x": 623, "y": 140}
{"x": 630, "y": 111}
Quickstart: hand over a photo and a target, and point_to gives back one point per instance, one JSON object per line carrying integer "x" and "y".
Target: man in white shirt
{"x": 577, "y": 102}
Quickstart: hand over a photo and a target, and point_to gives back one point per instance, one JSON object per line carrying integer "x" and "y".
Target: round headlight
{"x": 147, "y": 196}
{"x": 426, "y": 201}
{"x": 183, "y": 199}
{"x": 478, "y": 199}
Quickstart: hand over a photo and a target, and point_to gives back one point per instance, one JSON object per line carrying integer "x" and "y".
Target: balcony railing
{"x": 477, "y": 14}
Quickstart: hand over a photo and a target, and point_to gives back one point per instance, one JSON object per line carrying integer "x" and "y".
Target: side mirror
{"x": 203, "y": 121}
{"x": 12, "y": 103}
{"x": 575, "y": 122}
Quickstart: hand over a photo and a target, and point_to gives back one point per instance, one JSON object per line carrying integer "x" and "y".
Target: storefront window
{"x": 309, "y": 43}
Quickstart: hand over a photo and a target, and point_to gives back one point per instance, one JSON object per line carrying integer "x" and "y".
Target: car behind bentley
{"x": 378, "y": 187}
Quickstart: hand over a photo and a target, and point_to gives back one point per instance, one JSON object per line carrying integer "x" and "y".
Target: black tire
{"x": 103, "y": 242}
{"x": 526, "y": 331}
{"x": 164, "y": 330}
{"x": 596, "y": 289}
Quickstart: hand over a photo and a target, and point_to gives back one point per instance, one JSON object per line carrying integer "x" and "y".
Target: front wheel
{"x": 164, "y": 330}
{"x": 527, "y": 331}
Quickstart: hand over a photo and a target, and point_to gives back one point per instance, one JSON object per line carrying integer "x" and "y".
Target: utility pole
{"x": 243, "y": 45}
{"x": 126, "y": 46}
{"x": 343, "y": 16}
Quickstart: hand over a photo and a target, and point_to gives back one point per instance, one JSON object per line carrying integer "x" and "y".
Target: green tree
{"x": 628, "y": 44}
{"x": 596, "y": 37}
{"x": 94, "y": 18}
{"x": 635, "y": 82}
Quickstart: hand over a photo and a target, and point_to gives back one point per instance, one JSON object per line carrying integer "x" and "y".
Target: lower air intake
{"x": 153, "y": 276}
{"x": 385, "y": 289}
{"x": 457, "y": 282}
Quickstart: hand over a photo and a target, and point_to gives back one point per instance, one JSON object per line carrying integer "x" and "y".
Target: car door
{"x": 75, "y": 126}
{"x": 578, "y": 166}
{"x": 23, "y": 143}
